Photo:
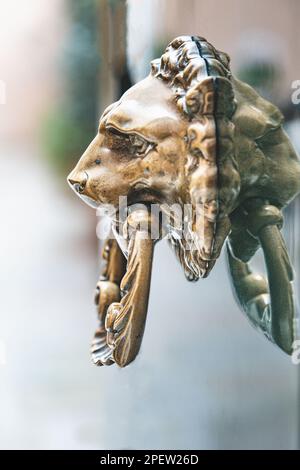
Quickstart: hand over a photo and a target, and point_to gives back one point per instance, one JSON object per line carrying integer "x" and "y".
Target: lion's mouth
{"x": 88, "y": 200}
{"x": 79, "y": 191}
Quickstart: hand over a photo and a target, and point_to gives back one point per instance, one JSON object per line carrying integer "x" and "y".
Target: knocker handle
{"x": 123, "y": 303}
{"x": 268, "y": 305}
{"x": 280, "y": 275}
{"x": 125, "y": 320}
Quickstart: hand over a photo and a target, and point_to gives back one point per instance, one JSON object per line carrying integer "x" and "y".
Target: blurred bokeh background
{"x": 204, "y": 378}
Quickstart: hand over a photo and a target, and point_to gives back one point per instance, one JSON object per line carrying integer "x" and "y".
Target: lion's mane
{"x": 199, "y": 76}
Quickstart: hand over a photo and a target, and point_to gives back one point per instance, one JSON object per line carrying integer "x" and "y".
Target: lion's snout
{"x": 78, "y": 180}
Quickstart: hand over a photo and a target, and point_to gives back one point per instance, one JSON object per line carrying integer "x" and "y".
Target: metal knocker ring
{"x": 268, "y": 305}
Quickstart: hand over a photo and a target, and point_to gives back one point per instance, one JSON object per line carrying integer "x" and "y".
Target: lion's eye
{"x": 139, "y": 145}
{"x": 121, "y": 141}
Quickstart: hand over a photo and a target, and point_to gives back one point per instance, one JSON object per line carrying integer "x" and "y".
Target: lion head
{"x": 169, "y": 140}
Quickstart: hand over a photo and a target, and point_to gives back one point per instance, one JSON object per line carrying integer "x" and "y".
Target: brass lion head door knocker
{"x": 211, "y": 154}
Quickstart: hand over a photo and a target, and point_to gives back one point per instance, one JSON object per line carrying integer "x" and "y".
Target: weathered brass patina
{"x": 192, "y": 135}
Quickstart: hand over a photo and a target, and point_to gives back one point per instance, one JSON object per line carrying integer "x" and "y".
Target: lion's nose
{"x": 78, "y": 182}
